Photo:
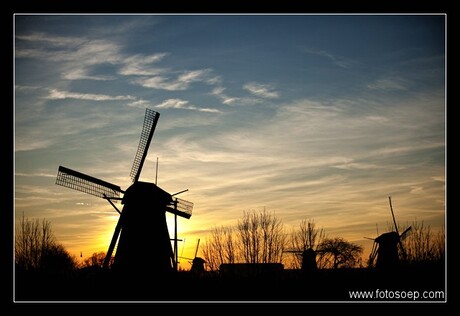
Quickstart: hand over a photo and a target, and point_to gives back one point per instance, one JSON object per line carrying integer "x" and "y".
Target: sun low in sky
{"x": 308, "y": 116}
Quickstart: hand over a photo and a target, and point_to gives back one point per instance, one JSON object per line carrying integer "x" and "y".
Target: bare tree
{"x": 273, "y": 238}
{"x": 219, "y": 248}
{"x": 258, "y": 238}
{"x": 36, "y": 247}
{"x": 261, "y": 237}
{"x": 337, "y": 252}
{"x": 306, "y": 236}
{"x": 96, "y": 260}
{"x": 423, "y": 245}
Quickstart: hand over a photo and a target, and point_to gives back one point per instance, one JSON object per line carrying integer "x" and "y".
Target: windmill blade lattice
{"x": 150, "y": 122}
{"x": 181, "y": 207}
{"x": 82, "y": 182}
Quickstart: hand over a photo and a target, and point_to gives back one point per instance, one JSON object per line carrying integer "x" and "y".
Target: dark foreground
{"x": 283, "y": 286}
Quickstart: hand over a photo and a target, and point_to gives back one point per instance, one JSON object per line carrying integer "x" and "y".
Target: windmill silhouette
{"x": 142, "y": 231}
{"x": 308, "y": 253}
{"x": 197, "y": 262}
{"x": 385, "y": 247}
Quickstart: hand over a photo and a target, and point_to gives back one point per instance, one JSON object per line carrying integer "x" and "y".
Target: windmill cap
{"x": 140, "y": 192}
{"x": 390, "y": 237}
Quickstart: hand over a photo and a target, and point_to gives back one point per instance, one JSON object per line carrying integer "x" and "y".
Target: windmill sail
{"x": 82, "y": 182}
{"x": 181, "y": 208}
{"x": 150, "y": 122}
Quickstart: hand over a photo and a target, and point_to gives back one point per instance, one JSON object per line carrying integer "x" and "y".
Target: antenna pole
{"x": 175, "y": 242}
{"x": 156, "y": 173}
{"x": 176, "y": 259}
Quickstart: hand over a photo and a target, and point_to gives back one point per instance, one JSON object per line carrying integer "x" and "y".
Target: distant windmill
{"x": 308, "y": 254}
{"x": 142, "y": 230}
{"x": 197, "y": 262}
{"x": 385, "y": 247}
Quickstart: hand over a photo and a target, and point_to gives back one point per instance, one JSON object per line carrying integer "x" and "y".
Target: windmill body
{"x": 309, "y": 260}
{"x": 144, "y": 238}
{"x": 387, "y": 256}
{"x": 144, "y": 243}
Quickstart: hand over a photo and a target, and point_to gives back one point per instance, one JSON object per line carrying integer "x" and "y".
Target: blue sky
{"x": 307, "y": 116}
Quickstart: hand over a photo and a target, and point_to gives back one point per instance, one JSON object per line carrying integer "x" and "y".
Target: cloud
{"x": 74, "y": 57}
{"x": 182, "y": 82}
{"x": 160, "y": 83}
{"x": 183, "y": 104}
{"x": 53, "y": 40}
{"x": 193, "y": 76}
{"x": 82, "y": 73}
{"x": 140, "y": 104}
{"x": 336, "y": 60}
{"x": 38, "y": 174}
{"x": 139, "y": 65}
{"x": 55, "y": 94}
{"x": 261, "y": 90}
{"x": 228, "y": 100}
{"x": 79, "y": 51}
{"x": 77, "y": 58}
{"x": 388, "y": 84}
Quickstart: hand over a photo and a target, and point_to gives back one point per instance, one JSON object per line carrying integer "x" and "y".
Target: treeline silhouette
{"x": 37, "y": 250}
{"x": 44, "y": 270}
{"x": 260, "y": 237}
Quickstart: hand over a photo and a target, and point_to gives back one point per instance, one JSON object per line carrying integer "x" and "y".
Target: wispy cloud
{"x": 55, "y": 94}
{"x": 261, "y": 90}
{"x": 74, "y": 57}
{"x": 140, "y": 65}
{"x": 182, "y": 82}
{"x": 80, "y": 51}
{"x": 183, "y": 104}
{"x": 40, "y": 174}
{"x": 78, "y": 58}
{"x": 53, "y": 40}
{"x": 336, "y": 60}
{"x": 388, "y": 84}
{"x": 219, "y": 92}
{"x": 82, "y": 73}
{"x": 140, "y": 104}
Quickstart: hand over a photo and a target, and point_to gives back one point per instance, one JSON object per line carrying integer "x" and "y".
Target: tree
{"x": 337, "y": 252}
{"x": 220, "y": 248}
{"x": 261, "y": 237}
{"x": 96, "y": 260}
{"x": 36, "y": 247}
{"x": 258, "y": 238}
{"x": 423, "y": 245}
{"x": 306, "y": 236}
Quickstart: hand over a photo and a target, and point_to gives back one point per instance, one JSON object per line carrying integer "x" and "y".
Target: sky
{"x": 318, "y": 117}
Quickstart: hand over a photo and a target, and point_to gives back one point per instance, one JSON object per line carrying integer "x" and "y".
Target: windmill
{"x": 141, "y": 234}
{"x": 385, "y": 247}
{"x": 197, "y": 262}
{"x": 308, "y": 253}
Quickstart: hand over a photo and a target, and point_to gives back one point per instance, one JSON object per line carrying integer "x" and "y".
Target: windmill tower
{"x": 385, "y": 247}
{"x": 142, "y": 232}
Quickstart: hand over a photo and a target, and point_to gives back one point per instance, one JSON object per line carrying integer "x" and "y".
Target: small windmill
{"x": 197, "y": 262}
{"x": 308, "y": 253}
{"x": 142, "y": 231}
{"x": 385, "y": 247}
